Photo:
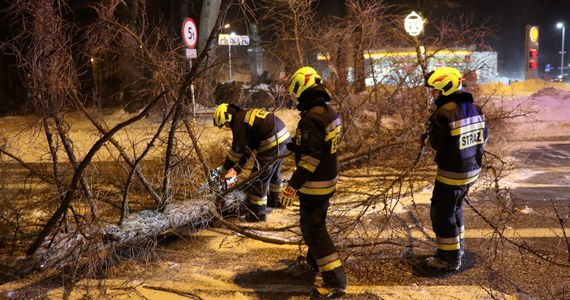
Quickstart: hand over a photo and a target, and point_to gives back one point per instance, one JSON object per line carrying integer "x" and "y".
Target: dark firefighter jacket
{"x": 315, "y": 144}
{"x": 254, "y": 130}
{"x": 458, "y": 134}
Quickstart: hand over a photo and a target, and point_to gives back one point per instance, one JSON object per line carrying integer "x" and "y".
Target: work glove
{"x": 287, "y": 196}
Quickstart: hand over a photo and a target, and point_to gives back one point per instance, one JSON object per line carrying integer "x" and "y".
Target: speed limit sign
{"x": 190, "y": 33}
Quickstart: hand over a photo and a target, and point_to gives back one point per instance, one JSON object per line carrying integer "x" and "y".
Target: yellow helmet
{"x": 221, "y": 115}
{"x": 304, "y": 78}
{"x": 446, "y": 79}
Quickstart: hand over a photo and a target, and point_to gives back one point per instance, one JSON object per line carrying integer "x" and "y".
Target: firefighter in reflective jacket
{"x": 261, "y": 131}
{"x": 315, "y": 177}
{"x": 458, "y": 134}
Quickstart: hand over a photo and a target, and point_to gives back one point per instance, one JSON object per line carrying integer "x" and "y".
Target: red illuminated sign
{"x": 532, "y": 65}
{"x": 531, "y": 49}
{"x": 533, "y": 53}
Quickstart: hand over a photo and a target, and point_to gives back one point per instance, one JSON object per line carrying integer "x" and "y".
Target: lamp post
{"x": 226, "y": 27}
{"x": 561, "y": 25}
{"x": 232, "y": 36}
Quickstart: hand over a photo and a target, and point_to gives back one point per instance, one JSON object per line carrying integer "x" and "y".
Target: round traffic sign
{"x": 414, "y": 24}
{"x": 190, "y": 33}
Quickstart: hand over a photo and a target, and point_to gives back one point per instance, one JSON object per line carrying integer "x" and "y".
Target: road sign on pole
{"x": 190, "y": 33}
{"x": 414, "y": 24}
{"x": 233, "y": 39}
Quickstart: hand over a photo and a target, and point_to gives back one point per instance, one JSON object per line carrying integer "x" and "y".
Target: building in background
{"x": 394, "y": 66}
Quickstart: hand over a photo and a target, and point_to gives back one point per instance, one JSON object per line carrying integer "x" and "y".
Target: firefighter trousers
{"x": 446, "y": 213}
{"x": 321, "y": 253}
{"x": 259, "y": 188}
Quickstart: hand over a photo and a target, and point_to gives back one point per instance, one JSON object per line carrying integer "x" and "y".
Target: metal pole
{"x": 193, "y": 100}
{"x": 230, "y": 60}
{"x": 562, "y": 55}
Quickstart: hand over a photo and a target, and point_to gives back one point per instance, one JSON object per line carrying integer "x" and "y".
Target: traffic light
{"x": 531, "y": 49}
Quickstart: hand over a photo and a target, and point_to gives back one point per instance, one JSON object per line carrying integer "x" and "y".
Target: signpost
{"x": 414, "y": 25}
{"x": 190, "y": 36}
{"x": 190, "y": 33}
{"x": 531, "y": 49}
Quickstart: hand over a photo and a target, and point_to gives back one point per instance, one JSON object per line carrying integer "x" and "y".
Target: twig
{"x": 70, "y": 193}
{"x": 561, "y": 222}
{"x": 520, "y": 246}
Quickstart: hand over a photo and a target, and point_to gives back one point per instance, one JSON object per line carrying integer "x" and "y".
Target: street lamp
{"x": 232, "y": 37}
{"x": 561, "y": 25}
{"x": 229, "y": 43}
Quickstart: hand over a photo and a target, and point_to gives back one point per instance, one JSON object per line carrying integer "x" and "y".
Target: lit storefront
{"x": 392, "y": 67}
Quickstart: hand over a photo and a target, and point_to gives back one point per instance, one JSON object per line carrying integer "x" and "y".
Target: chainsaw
{"x": 219, "y": 183}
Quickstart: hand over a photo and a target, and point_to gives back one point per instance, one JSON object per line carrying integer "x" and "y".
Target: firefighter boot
{"x": 334, "y": 284}
{"x": 307, "y": 263}
{"x": 437, "y": 263}
{"x": 327, "y": 293}
{"x": 256, "y": 213}
{"x": 273, "y": 200}
{"x": 446, "y": 260}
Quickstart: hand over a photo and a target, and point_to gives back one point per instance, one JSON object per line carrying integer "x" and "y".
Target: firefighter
{"x": 457, "y": 133}
{"x": 263, "y": 132}
{"x": 315, "y": 177}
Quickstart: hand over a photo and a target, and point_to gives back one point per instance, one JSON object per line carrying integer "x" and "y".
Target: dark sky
{"x": 511, "y": 16}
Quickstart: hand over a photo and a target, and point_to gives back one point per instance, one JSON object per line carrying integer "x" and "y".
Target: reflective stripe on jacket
{"x": 315, "y": 151}
{"x": 254, "y": 130}
{"x": 458, "y": 134}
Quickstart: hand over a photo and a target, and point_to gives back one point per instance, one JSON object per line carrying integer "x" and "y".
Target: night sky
{"x": 511, "y": 16}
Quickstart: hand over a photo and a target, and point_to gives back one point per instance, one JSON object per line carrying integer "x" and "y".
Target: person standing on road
{"x": 315, "y": 177}
{"x": 458, "y": 134}
{"x": 261, "y": 131}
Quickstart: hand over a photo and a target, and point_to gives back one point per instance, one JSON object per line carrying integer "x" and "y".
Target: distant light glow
{"x": 410, "y": 53}
{"x": 560, "y": 25}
